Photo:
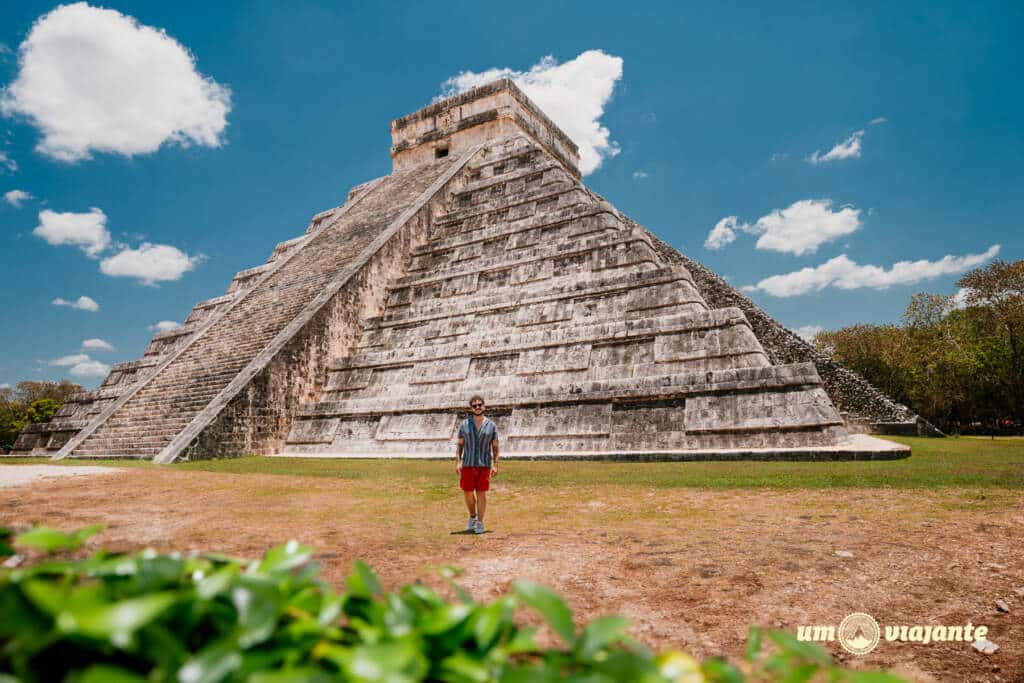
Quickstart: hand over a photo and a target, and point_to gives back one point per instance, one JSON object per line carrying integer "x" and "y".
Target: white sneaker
{"x": 478, "y": 528}
{"x": 471, "y": 524}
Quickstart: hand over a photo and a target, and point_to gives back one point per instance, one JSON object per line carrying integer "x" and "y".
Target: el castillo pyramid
{"x": 482, "y": 264}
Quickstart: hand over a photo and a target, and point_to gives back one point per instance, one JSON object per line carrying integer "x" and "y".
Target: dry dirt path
{"x": 691, "y": 567}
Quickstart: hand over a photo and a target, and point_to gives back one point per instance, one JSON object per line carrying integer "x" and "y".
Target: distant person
{"x": 476, "y": 459}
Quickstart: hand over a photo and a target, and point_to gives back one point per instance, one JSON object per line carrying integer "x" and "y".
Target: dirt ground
{"x": 692, "y": 568}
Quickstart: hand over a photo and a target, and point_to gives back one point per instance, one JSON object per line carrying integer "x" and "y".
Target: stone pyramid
{"x": 480, "y": 265}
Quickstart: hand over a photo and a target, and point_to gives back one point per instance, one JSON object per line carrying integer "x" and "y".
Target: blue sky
{"x": 716, "y": 114}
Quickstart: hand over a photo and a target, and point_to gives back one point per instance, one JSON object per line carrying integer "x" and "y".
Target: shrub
{"x": 146, "y": 616}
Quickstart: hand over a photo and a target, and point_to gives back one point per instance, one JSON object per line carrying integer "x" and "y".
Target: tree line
{"x": 958, "y": 361}
{"x": 30, "y": 402}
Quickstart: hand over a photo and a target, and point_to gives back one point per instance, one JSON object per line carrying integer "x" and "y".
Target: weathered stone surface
{"x": 481, "y": 265}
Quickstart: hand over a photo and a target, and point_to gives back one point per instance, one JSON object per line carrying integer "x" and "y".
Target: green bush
{"x": 146, "y": 616}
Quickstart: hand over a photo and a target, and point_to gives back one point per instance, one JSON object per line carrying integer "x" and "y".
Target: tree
{"x": 957, "y": 361}
{"x": 29, "y": 392}
{"x": 995, "y": 295}
{"x": 13, "y": 418}
{"x": 30, "y": 402}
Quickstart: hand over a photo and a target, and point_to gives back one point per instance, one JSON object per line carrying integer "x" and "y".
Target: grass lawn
{"x": 954, "y": 461}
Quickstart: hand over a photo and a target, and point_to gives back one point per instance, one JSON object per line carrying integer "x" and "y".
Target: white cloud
{"x": 82, "y": 303}
{"x": 847, "y": 149}
{"x": 798, "y": 229}
{"x": 5, "y": 385}
{"x": 844, "y": 273}
{"x": 7, "y": 162}
{"x": 74, "y": 359}
{"x": 87, "y": 231}
{"x": 640, "y": 174}
{"x": 723, "y": 233}
{"x": 81, "y": 365}
{"x": 150, "y": 263}
{"x": 573, "y": 94}
{"x": 93, "y": 79}
{"x": 164, "y": 326}
{"x": 16, "y": 197}
{"x": 807, "y": 332}
{"x": 803, "y": 226}
{"x": 96, "y": 345}
{"x": 90, "y": 368}
{"x": 878, "y": 120}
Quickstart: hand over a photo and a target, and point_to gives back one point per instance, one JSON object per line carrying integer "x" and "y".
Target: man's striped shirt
{"x": 476, "y": 443}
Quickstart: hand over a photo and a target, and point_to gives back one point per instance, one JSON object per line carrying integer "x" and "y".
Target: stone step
{"x": 475, "y": 234}
{"x": 591, "y": 245}
{"x": 553, "y": 289}
{"x": 651, "y": 388}
{"x": 560, "y": 316}
{"x": 485, "y": 344}
{"x": 512, "y": 243}
{"x": 509, "y": 172}
{"x": 511, "y": 208}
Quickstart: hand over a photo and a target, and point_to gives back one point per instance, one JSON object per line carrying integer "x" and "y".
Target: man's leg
{"x": 481, "y": 504}
{"x": 470, "y": 503}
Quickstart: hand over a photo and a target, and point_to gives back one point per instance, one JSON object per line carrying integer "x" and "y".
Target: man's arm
{"x": 458, "y": 453}
{"x": 494, "y": 455}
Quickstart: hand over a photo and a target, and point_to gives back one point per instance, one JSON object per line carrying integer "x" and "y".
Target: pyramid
{"x": 482, "y": 264}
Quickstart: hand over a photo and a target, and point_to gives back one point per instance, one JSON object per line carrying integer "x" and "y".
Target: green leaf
{"x": 50, "y": 540}
{"x": 801, "y": 674}
{"x": 5, "y": 536}
{"x": 788, "y": 643}
{"x": 522, "y": 642}
{"x": 211, "y": 664}
{"x": 363, "y": 582}
{"x": 395, "y": 662}
{"x": 258, "y": 603}
{"x": 284, "y": 558}
{"x": 117, "y": 618}
{"x": 551, "y": 607}
{"x": 308, "y": 675}
{"x": 492, "y": 619}
{"x": 103, "y": 673}
{"x": 717, "y": 670}
{"x": 445, "y": 619}
{"x": 49, "y": 596}
{"x": 599, "y": 633}
{"x": 463, "y": 668}
{"x": 753, "y": 644}
{"x": 209, "y": 587}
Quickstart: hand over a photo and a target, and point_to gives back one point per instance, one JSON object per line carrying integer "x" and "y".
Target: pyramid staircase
{"x": 161, "y": 416}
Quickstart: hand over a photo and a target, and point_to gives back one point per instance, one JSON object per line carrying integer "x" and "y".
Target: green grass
{"x": 935, "y": 463}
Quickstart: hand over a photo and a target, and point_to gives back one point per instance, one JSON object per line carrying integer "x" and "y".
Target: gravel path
{"x": 19, "y": 475}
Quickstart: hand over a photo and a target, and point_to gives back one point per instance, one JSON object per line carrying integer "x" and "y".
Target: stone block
{"x": 417, "y": 427}
{"x": 553, "y": 359}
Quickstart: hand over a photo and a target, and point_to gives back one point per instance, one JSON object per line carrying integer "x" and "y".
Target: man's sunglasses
{"x": 476, "y": 405}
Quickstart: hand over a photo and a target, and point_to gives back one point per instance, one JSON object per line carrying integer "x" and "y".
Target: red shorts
{"x": 475, "y": 479}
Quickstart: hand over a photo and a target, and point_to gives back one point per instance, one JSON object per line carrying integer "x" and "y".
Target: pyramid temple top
{"x": 489, "y": 112}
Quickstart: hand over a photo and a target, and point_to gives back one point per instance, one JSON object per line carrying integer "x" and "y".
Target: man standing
{"x": 476, "y": 459}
